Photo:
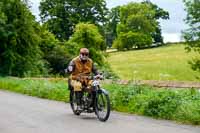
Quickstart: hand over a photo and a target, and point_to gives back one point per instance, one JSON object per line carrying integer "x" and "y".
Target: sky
{"x": 171, "y": 29}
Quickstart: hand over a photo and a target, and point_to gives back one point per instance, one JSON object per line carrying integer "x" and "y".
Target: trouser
{"x": 93, "y": 94}
{"x": 77, "y": 87}
{"x": 79, "y": 95}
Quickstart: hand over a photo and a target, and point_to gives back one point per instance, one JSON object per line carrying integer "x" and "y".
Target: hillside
{"x": 163, "y": 63}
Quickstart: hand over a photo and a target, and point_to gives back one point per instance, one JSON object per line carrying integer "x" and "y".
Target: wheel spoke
{"x": 103, "y": 106}
{"x": 73, "y": 103}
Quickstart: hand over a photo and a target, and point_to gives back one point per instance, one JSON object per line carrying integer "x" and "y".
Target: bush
{"x": 132, "y": 40}
{"x": 56, "y": 54}
{"x": 162, "y": 105}
{"x": 87, "y": 35}
{"x": 180, "y": 105}
{"x": 58, "y": 59}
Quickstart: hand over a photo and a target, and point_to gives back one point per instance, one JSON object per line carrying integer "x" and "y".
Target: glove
{"x": 66, "y": 71}
{"x": 99, "y": 76}
{"x": 69, "y": 69}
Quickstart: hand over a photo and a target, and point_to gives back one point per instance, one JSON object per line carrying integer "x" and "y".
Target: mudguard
{"x": 103, "y": 91}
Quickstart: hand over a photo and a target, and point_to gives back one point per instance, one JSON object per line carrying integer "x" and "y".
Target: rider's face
{"x": 84, "y": 56}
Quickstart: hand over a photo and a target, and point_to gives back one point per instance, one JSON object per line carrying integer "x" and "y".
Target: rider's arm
{"x": 70, "y": 67}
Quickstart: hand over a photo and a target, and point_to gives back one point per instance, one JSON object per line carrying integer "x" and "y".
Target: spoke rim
{"x": 102, "y": 106}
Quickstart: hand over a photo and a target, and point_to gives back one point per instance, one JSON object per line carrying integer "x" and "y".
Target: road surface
{"x": 25, "y": 114}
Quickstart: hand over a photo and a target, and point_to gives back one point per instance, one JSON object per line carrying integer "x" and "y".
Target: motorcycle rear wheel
{"x": 73, "y": 103}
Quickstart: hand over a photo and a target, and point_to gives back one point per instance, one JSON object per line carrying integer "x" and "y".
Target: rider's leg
{"x": 78, "y": 91}
{"x": 79, "y": 96}
{"x": 70, "y": 87}
{"x": 92, "y": 93}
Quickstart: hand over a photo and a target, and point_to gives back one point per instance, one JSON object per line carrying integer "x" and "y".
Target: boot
{"x": 78, "y": 100}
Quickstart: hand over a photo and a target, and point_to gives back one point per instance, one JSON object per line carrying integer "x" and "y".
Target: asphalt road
{"x": 25, "y": 114}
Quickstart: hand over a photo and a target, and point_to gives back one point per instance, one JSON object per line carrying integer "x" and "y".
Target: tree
{"x": 132, "y": 40}
{"x": 192, "y": 35}
{"x": 20, "y": 54}
{"x": 87, "y": 35}
{"x": 61, "y": 16}
{"x": 159, "y": 14}
{"x": 111, "y": 26}
{"x": 136, "y": 14}
{"x": 56, "y": 54}
{"x": 140, "y": 19}
{"x": 135, "y": 19}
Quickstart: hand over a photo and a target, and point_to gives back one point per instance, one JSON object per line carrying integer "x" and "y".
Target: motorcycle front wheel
{"x": 102, "y": 105}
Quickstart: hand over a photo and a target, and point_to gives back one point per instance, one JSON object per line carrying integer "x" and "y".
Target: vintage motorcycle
{"x": 96, "y": 101}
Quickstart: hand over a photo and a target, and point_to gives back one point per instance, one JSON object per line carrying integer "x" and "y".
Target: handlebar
{"x": 99, "y": 76}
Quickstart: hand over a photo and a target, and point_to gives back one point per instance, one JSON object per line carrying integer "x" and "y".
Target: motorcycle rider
{"x": 80, "y": 67}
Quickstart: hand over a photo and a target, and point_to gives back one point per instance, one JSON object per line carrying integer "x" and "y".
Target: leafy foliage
{"x": 87, "y": 35}
{"x": 111, "y": 25}
{"x": 163, "y": 105}
{"x": 58, "y": 59}
{"x": 136, "y": 19}
{"x": 180, "y": 105}
{"x": 61, "y": 16}
{"x": 20, "y": 54}
{"x": 28, "y": 49}
{"x": 132, "y": 39}
{"x": 192, "y": 35}
{"x": 159, "y": 14}
{"x": 139, "y": 19}
{"x": 56, "y": 54}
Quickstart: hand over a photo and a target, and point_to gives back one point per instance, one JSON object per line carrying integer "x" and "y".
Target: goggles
{"x": 84, "y": 54}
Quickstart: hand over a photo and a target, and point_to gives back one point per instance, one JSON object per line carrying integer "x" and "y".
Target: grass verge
{"x": 181, "y": 105}
{"x": 53, "y": 90}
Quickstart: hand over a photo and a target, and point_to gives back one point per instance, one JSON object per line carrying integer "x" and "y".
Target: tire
{"x": 73, "y": 103}
{"x": 102, "y": 106}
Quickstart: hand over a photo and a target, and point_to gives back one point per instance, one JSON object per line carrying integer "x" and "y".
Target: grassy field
{"x": 163, "y": 63}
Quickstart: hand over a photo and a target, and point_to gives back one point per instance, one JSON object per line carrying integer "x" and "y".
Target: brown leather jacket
{"x": 79, "y": 68}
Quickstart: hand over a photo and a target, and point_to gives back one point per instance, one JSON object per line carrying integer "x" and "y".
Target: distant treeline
{"x": 30, "y": 48}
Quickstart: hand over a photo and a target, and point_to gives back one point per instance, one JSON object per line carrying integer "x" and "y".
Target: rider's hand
{"x": 99, "y": 76}
{"x": 66, "y": 71}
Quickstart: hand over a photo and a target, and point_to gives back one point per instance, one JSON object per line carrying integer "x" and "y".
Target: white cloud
{"x": 172, "y": 37}
{"x": 113, "y": 3}
{"x": 35, "y": 8}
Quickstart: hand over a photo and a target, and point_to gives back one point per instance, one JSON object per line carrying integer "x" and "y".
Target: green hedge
{"x": 182, "y": 105}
